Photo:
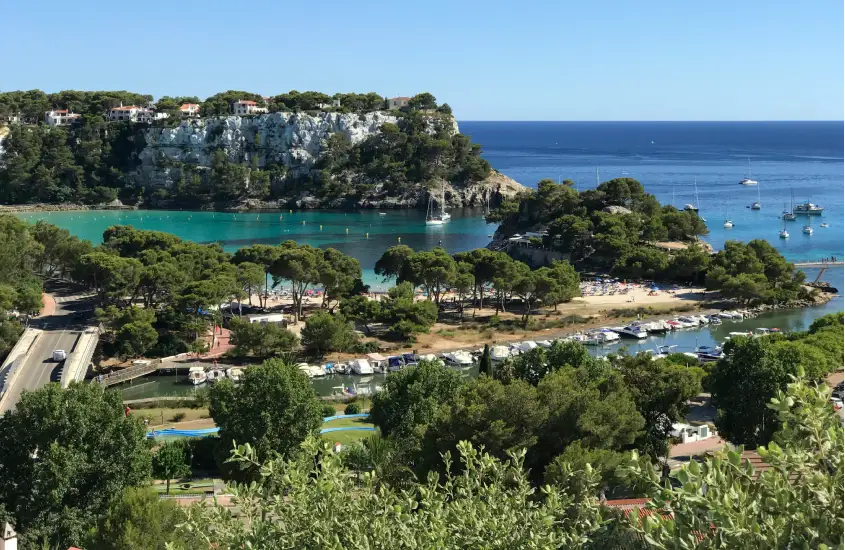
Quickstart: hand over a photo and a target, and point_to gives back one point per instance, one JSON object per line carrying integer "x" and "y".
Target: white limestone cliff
{"x": 292, "y": 139}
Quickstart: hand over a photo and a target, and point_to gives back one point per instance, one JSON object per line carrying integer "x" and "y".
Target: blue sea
{"x": 800, "y": 159}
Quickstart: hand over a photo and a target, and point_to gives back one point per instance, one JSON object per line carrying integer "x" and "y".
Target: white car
{"x": 59, "y": 355}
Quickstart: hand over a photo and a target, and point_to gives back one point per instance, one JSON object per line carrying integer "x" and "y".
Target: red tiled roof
{"x": 60, "y": 111}
{"x": 247, "y": 102}
{"x": 400, "y": 98}
{"x": 188, "y": 106}
{"x": 127, "y": 108}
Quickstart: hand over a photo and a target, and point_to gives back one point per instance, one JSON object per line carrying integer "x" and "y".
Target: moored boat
{"x": 197, "y": 376}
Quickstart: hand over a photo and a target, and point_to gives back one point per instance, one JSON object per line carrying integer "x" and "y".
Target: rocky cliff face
{"x": 294, "y": 140}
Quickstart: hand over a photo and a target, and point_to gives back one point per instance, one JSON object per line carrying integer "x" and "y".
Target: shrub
{"x": 352, "y": 408}
{"x": 328, "y": 410}
{"x": 178, "y": 417}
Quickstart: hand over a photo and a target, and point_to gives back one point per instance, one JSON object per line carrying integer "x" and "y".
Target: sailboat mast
{"x": 695, "y": 188}
{"x": 597, "y": 176}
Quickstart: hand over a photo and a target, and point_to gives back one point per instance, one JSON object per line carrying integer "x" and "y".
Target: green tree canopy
{"x": 64, "y": 454}
{"x": 169, "y": 462}
{"x": 274, "y": 408}
{"x": 324, "y": 332}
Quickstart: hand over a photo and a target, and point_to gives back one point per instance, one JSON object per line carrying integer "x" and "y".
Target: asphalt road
{"x": 73, "y": 311}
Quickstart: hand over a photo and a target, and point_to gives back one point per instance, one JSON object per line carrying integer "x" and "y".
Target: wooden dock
{"x": 819, "y": 264}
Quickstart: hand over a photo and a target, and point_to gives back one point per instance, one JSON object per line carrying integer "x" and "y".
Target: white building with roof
{"x": 189, "y": 109}
{"x": 247, "y": 107}
{"x": 60, "y": 117}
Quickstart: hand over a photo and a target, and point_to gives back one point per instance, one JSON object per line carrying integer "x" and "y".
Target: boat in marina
{"x": 601, "y": 338}
{"x": 783, "y": 233}
{"x": 214, "y": 375}
{"x": 656, "y": 327}
{"x": 394, "y": 363}
{"x": 747, "y": 179}
{"x": 360, "y": 366}
{"x": 197, "y": 376}
{"x": 631, "y": 331}
{"x": 500, "y": 353}
{"x": 235, "y": 374}
{"x": 460, "y": 358}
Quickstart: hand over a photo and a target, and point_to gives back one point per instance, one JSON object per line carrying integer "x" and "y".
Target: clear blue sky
{"x": 493, "y": 60}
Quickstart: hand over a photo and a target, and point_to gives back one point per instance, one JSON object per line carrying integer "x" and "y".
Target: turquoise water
{"x": 364, "y": 235}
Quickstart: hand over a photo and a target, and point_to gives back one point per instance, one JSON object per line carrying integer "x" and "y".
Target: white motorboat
{"x": 377, "y": 361}
{"x": 824, "y": 225}
{"x": 459, "y": 358}
{"x": 728, "y": 224}
{"x": 631, "y": 331}
{"x": 382, "y": 213}
{"x": 500, "y": 353}
{"x": 235, "y": 374}
{"x": 656, "y": 327}
{"x": 360, "y": 366}
{"x": 807, "y": 230}
{"x": 214, "y": 375}
{"x": 601, "y": 338}
{"x": 197, "y": 375}
{"x": 702, "y": 319}
{"x": 685, "y": 324}
{"x": 693, "y": 321}
{"x": 690, "y": 208}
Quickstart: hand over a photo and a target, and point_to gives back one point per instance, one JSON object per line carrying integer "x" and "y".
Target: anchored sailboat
{"x": 789, "y": 215}
{"x": 756, "y": 205}
{"x": 784, "y": 234}
{"x": 432, "y": 217}
{"x": 690, "y": 207}
{"x": 747, "y": 180}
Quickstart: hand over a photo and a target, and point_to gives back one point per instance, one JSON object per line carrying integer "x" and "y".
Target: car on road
{"x": 59, "y": 355}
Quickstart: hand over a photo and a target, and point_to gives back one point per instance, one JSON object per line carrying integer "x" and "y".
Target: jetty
{"x": 819, "y": 264}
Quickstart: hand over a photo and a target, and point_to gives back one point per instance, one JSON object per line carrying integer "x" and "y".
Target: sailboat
{"x": 747, "y": 180}
{"x": 690, "y": 207}
{"x": 783, "y": 234}
{"x": 756, "y": 205}
{"x": 808, "y": 229}
{"x": 728, "y": 223}
{"x": 431, "y": 218}
{"x": 789, "y": 215}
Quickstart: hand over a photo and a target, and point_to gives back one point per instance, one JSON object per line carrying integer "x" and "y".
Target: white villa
{"x": 247, "y": 107}
{"x": 189, "y": 109}
{"x": 60, "y": 117}
{"x": 133, "y": 113}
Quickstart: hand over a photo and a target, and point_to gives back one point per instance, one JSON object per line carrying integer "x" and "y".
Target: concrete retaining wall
{"x": 16, "y": 357}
